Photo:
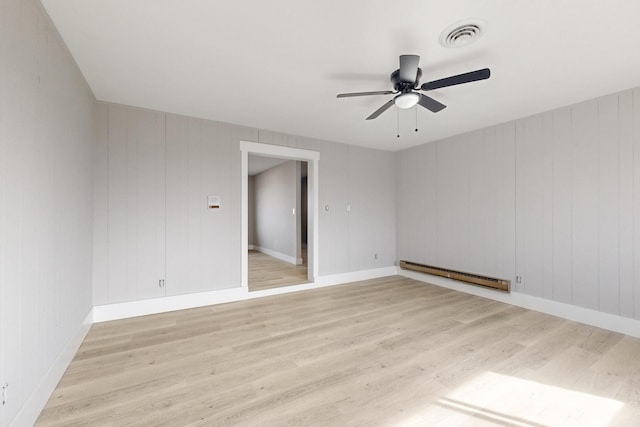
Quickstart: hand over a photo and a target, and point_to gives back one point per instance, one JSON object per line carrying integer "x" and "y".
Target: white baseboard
{"x": 280, "y": 256}
{"x": 330, "y": 280}
{"x": 123, "y": 310}
{"x": 30, "y": 411}
{"x": 355, "y": 276}
{"x": 251, "y": 247}
{"x": 612, "y": 322}
{"x": 103, "y": 313}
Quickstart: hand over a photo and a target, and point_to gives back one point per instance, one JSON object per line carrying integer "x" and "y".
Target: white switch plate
{"x": 213, "y": 202}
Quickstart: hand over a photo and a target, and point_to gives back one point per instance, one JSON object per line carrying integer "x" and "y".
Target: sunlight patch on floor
{"x": 493, "y": 399}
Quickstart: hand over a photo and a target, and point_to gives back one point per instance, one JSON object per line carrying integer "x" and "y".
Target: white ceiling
{"x": 259, "y": 164}
{"x": 278, "y": 64}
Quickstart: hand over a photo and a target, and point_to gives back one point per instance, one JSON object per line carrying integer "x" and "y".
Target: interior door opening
{"x": 279, "y": 209}
{"x": 277, "y": 222}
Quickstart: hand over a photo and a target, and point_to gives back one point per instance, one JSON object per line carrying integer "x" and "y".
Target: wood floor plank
{"x": 389, "y": 351}
{"x": 266, "y": 272}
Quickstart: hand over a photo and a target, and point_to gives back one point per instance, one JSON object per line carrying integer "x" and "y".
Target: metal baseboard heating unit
{"x": 474, "y": 279}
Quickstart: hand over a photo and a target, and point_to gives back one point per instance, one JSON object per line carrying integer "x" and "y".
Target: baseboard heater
{"x": 474, "y": 279}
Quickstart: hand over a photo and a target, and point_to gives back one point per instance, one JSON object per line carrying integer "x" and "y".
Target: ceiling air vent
{"x": 462, "y": 33}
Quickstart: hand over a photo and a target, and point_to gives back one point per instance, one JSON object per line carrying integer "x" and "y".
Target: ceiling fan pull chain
{"x": 416, "y": 118}
{"x": 398, "y": 122}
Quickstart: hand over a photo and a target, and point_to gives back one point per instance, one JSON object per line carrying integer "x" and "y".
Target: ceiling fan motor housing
{"x": 404, "y": 86}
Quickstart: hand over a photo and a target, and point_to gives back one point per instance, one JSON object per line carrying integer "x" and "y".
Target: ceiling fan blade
{"x": 409, "y": 68}
{"x": 457, "y": 80}
{"x": 380, "y": 92}
{"x": 431, "y": 104}
{"x": 381, "y": 110}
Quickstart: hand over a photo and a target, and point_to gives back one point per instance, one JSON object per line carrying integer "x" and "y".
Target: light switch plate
{"x": 213, "y": 202}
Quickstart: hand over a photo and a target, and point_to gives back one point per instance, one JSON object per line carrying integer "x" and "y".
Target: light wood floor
{"x": 385, "y": 352}
{"x": 266, "y": 272}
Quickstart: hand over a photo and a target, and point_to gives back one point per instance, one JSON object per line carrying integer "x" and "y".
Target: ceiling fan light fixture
{"x": 406, "y": 83}
{"x": 406, "y": 100}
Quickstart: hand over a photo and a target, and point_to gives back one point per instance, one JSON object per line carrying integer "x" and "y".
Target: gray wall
{"x": 554, "y": 198}
{"x": 46, "y": 175}
{"x": 153, "y": 173}
{"x": 152, "y": 221}
{"x": 275, "y": 199}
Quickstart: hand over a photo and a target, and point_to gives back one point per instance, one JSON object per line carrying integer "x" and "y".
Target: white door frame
{"x": 312, "y": 158}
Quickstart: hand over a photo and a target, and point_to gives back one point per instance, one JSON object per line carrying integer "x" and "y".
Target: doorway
{"x": 277, "y": 235}
{"x": 304, "y": 159}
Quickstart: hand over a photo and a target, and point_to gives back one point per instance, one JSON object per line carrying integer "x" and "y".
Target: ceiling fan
{"x": 406, "y": 81}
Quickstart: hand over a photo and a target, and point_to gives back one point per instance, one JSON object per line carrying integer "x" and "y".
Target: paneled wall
{"x": 154, "y": 235}
{"x": 371, "y": 207}
{"x": 456, "y": 203}
{"x": 553, "y": 198}
{"x": 201, "y": 243}
{"x": 578, "y": 171}
{"x": 142, "y": 151}
{"x": 45, "y": 200}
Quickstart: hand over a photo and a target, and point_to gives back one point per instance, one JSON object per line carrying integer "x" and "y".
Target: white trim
{"x": 313, "y": 206}
{"x": 103, "y": 313}
{"x": 612, "y": 322}
{"x": 30, "y": 411}
{"x": 123, "y": 310}
{"x": 251, "y": 247}
{"x": 355, "y": 276}
{"x": 282, "y": 257}
{"x": 312, "y": 158}
{"x": 244, "y": 213}
{"x": 325, "y": 281}
{"x": 269, "y": 150}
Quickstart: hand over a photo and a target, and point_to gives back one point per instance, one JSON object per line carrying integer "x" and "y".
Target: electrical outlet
{"x": 519, "y": 280}
{"x": 5, "y": 386}
{"x": 375, "y": 256}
